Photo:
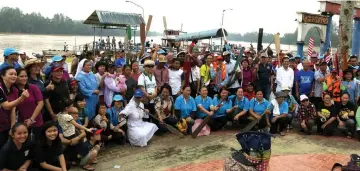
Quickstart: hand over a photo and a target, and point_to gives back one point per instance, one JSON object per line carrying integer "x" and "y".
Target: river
{"x": 37, "y": 43}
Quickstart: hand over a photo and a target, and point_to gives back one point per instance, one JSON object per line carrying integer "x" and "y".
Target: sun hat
{"x": 118, "y": 98}
{"x": 57, "y": 58}
{"x": 149, "y": 63}
{"x": 279, "y": 94}
{"x": 162, "y": 58}
{"x": 31, "y": 62}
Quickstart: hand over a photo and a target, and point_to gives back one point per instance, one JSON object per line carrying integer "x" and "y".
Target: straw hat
{"x": 32, "y": 61}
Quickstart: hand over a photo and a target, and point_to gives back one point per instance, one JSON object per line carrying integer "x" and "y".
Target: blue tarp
{"x": 215, "y": 33}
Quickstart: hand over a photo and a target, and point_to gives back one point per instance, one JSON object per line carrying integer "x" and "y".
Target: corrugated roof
{"x": 215, "y": 33}
{"x": 107, "y": 18}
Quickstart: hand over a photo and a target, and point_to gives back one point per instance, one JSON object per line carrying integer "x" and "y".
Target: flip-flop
{"x": 88, "y": 168}
{"x": 282, "y": 133}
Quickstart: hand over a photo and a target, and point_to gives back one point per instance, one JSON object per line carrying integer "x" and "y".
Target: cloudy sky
{"x": 196, "y": 15}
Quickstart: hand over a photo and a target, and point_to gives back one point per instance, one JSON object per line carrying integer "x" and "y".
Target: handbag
{"x": 353, "y": 164}
{"x": 256, "y": 150}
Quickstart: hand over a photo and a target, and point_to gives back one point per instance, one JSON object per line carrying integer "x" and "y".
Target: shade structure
{"x": 107, "y": 18}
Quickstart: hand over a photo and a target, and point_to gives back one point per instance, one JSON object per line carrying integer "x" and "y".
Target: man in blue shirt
{"x": 11, "y": 58}
{"x": 277, "y": 111}
{"x": 305, "y": 81}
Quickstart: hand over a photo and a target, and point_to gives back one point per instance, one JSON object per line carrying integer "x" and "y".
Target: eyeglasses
{"x": 150, "y": 66}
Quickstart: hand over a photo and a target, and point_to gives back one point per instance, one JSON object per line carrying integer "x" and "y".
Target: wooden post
{"x": 345, "y": 28}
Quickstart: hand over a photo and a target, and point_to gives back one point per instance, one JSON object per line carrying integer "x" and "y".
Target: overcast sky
{"x": 196, "y": 15}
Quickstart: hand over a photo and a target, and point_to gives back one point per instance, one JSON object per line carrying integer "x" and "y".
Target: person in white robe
{"x": 139, "y": 132}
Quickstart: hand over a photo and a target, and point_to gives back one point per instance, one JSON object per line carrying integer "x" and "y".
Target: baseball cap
{"x": 162, "y": 58}
{"x": 9, "y": 51}
{"x": 264, "y": 55}
{"x": 285, "y": 88}
{"x": 279, "y": 94}
{"x": 22, "y": 53}
{"x": 226, "y": 53}
{"x": 94, "y": 132}
{"x": 138, "y": 93}
{"x": 57, "y": 58}
{"x": 72, "y": 81}
{"x": 56, "y": 67}
{"x": 303, "y": 97}
{"x": 118, "y": 98}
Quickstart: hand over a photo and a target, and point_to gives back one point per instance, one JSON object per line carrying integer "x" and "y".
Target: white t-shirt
{"x": 229, "y": 68}
{"x": 64, "y": 120}
{"x": 175, "y": 77}
{"x": 148, "y": 84}
{"x": 195, "y": 72}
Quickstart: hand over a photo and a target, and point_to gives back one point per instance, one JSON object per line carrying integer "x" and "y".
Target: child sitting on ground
{"x": 90, "y": 150}
{"x": 67, "y": 122}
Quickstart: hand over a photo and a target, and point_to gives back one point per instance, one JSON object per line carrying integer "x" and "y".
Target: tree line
{"x": 13, "y": 20}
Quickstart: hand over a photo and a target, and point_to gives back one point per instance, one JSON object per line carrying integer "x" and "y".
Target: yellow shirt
{"x": 205, "y": 72}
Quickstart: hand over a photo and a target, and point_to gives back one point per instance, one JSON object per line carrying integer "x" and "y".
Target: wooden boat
{"x": 51, "y": 53}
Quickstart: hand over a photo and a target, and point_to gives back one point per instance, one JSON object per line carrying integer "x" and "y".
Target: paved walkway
{"x": 294, "y": 152}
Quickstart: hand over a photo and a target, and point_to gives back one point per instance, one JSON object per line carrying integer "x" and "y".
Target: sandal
{"x": 282, "y": 133}
{"x": 88, "y": 168}
{"x": 95, "y": 161}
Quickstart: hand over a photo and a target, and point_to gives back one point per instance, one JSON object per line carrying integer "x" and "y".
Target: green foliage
{"x": 13, "y": 20}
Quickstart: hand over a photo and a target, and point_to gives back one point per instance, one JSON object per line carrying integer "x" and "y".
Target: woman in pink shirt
{"x": 247, "y": 75}
{"x": 30, "y": 109}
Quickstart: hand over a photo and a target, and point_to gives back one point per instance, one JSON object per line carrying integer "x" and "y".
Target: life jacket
{"x": 223, "y": 74}
{"x": 333, "y": 88}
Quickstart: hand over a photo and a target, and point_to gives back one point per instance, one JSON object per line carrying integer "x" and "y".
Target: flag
{"x": 310, "y": 47}
{"x": 128, "y": 32}
{"x": 328, "y": 58}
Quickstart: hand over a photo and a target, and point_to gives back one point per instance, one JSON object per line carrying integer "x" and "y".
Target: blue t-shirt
{"x": 120, "y": 61}
{"x": 222, "y": 110}
{"x": 243, "y": 104}
{"x": 257, "y": 107}
{"x": 185, "y": 107}
{"x": 305, "y": 80}
{"x": 283, "y": 107}
{"x": 5, "y": 64}
{"x": 204, "y": 103}
{"x": 113, "y": 115}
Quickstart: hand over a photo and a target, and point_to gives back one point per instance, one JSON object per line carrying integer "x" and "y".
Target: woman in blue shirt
{"x": 223, "y": 107}
{"x": 204, "y": 104}
{"x": 349, "y": 84}
{"x": 241, "y": 114}
{"x": 257, "y": 108}
{"x": 185, "y": 107}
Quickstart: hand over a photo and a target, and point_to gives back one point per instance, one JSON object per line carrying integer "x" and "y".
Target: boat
{"x": 52, "y": 52}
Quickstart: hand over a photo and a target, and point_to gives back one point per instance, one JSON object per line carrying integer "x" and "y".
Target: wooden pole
{"x": 345, "y": 28}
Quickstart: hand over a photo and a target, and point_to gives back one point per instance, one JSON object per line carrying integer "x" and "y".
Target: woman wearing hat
{"x": 117, "y": 121}
{"x": 306, "y": 114}
{"x": 147, "y": 83}
{"x": 139, "y": 132}
{"x": 33, "y": 67}
{"x": 60, "y": 91}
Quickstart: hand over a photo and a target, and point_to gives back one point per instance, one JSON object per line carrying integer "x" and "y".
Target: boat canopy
{"x": 107, "y": 18}
{"x": 215, "y": 33}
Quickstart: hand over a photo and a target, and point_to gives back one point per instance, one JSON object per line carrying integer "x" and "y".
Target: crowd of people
{"x": 52, "y": 119}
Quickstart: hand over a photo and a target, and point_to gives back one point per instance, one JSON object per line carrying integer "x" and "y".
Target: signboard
{"x": 314, "y": 19}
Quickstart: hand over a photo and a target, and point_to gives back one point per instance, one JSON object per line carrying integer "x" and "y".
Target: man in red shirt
{"x": 192, "y": 45}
